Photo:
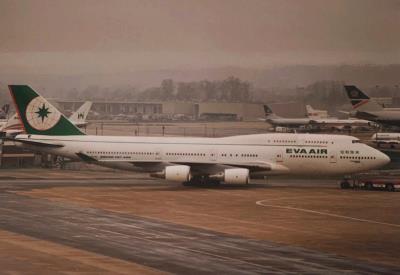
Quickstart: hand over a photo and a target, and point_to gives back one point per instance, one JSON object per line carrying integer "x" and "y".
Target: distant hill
{"x": 282, "y": 77}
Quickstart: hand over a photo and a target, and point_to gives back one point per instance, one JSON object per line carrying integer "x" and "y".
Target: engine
{"x": 237, "y": 175}
{"x": 180, "y": 173}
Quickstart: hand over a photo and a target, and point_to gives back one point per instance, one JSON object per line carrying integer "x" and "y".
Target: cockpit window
{"x": 356, "y": 141}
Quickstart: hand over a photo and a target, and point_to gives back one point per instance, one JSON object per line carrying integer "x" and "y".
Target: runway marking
{"x": 246, "y": 222}
{"x": 261, "y": 203}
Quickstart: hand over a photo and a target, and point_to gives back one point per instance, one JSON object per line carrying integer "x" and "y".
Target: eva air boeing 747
{"x": 235, "y": 159}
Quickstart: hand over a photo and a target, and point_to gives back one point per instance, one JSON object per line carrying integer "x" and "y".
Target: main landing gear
{"x": 345, "y": 184}
{"x": 201, "y": 181}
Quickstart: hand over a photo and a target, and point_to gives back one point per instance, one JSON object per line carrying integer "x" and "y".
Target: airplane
{"x": 316, "y": 122}
{"x": 278, "y": 121}
{"x": 316, "y": 114}
{"x": 189, "y": 160}
{"x": 369, "y": 109}
{"x": 79, "y": 116}
{"x": 13, "y": 125}
{"x": 343, "y": 124}
{"x": 322, "y": 117}
{"x": 386, "y": 136}
{"x": 4, "y": 113}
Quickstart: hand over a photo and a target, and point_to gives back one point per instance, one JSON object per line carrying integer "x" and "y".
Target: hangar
{"x": 212, "y": 110}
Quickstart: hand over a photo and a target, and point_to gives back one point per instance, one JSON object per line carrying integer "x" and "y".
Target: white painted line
{"x": 263, "y": 203}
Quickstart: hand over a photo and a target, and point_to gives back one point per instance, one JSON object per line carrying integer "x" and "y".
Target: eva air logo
{"x": 41, "y": 115}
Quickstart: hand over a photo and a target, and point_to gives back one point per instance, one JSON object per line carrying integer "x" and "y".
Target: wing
{"x": 197, "y": 168}
{"x": 261, "y": 167}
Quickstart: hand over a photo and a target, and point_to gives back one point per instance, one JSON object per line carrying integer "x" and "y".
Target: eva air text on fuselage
{"x": 306, "y": 151}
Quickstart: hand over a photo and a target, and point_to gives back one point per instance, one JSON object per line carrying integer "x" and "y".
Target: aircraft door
{"x": 213, "y": 154}
{"x": 279, "y": 156}
{"x": 158, "y": 154}
{"x": 332, "y": 158}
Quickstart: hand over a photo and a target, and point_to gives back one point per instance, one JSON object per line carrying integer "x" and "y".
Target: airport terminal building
{"x": 202, "y": 110}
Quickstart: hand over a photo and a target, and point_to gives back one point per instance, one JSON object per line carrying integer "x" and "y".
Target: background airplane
{"x": 323, "y": 120}
{"x": 233, "y": 159}
{"x": 79, "y": 116}
{"x": 369, "y": 109}
{"x": 277, "y": 121}
{"x": 4, "y": 114}
{"x": 316, "y": 122}
{"x": 4, "y": 111}
{"x": 316, "y": 114}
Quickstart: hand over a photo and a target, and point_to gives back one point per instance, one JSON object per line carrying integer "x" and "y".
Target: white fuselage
{"x": 287, "y": 154}
{"x": 386, "y": 136}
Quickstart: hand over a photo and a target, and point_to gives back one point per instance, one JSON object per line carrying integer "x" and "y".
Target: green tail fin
{"x": 38, "y": 116}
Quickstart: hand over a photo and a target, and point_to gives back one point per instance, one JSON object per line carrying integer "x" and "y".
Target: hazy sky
{"x": 45, "y": 36}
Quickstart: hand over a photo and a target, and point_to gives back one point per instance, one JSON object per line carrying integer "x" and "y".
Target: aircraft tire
{"x": 187, "y": 183}
{"x": 368, "y": 186}
{"x": 345, "y": 184}
{"x": 214, "y": 183}
{"x": 390, "y": 187}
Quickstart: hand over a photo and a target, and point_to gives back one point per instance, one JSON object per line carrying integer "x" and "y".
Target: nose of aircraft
{"x": 382, "y": 158}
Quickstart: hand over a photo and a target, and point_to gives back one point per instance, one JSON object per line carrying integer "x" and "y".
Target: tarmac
{"x": 59, "y": 222}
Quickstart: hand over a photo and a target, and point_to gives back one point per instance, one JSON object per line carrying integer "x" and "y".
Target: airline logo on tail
{"x": 357, "y": 97}
{"x": 268, "y": 112}
{"x": 41, "y": 115}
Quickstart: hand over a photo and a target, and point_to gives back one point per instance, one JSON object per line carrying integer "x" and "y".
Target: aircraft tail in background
{"x": 5, "y": 108}
{"x": 316, "y": 114}
{"x": 269, "y": 113}
{"x": 79, "y": 116}
{"x": 360, "y": 101}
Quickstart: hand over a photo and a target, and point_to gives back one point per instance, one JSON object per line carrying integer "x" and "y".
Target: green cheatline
{"x": 43, "y": 112}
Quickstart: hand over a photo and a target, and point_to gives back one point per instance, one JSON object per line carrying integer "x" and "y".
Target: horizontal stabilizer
{"x": 85, "y": 157}
{"x": 36, "y": 143}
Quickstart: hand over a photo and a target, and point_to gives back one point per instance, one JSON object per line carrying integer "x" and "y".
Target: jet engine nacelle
{"x": 179, "y": 173}
{"x": 237, "y": 175}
